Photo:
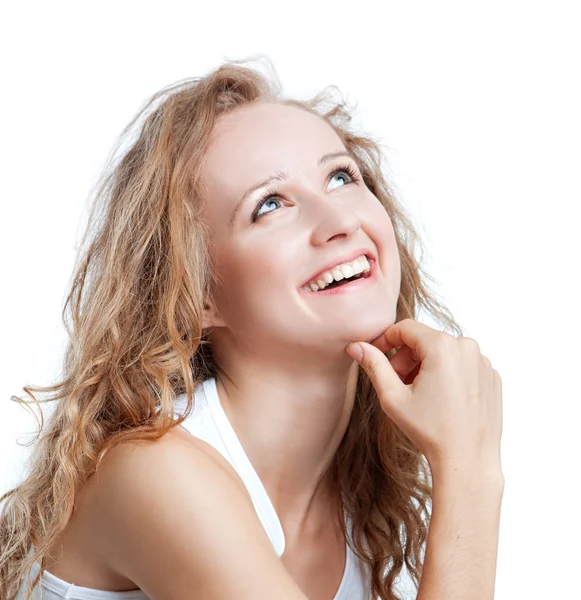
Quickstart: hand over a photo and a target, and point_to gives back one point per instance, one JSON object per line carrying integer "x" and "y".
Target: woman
{"x": 214, "y": 436}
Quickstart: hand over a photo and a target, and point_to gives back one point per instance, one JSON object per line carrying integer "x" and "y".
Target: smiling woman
{"x": 211, "y": 437}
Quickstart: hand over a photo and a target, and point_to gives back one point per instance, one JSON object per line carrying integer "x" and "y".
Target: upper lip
{"x": 340, "y": 260}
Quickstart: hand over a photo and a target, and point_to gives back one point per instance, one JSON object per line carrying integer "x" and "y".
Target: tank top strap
{"x": 236, "y": 455}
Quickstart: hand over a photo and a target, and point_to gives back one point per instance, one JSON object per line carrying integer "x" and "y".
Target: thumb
{"x": 390, "y": 389}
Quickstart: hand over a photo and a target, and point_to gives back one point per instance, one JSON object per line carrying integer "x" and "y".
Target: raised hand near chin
{"x": 442, "y": 393}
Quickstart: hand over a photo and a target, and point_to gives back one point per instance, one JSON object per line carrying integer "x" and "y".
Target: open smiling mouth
{"x": 322, "y": 285}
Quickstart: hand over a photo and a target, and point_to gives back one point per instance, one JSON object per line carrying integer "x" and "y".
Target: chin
{"x": 369, "y": 330}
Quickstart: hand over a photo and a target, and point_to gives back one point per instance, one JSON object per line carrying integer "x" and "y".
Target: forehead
{"x": 260, "y": 140}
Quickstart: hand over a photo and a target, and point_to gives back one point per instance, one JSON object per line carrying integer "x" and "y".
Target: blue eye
{"x": 271, "y": 195}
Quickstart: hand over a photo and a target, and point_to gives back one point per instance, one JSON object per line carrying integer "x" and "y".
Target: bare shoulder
{"x": 175, "y": 451}
{"x": 174, "y": 517}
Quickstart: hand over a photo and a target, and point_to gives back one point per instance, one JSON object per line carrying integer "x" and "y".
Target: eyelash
{"x": 272, "y": 193}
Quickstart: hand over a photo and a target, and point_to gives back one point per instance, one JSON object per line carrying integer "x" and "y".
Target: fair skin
{"x": 315, "y": 219}
{"x": 174, "y": 519}
{"x": 286, "y": 383}
{"x": 282, "y": 350}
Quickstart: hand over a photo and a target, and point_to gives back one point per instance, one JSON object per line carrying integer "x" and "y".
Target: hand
{"x": 441, "y": 392}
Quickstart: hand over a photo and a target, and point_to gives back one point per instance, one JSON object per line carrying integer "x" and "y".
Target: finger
{"x": 390, "y": 390}
{"x": 404, "y": 361}
{"x": 409, "y": 332}
{"x": 382, "y": 344}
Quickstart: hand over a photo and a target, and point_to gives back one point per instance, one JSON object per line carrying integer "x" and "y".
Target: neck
{"x": 291, "y": 430}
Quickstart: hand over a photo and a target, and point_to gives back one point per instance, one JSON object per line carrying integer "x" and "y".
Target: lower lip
{"x": 354, "y": 286}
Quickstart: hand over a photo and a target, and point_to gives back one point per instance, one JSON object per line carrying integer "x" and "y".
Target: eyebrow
{"x": 281, "y": 176}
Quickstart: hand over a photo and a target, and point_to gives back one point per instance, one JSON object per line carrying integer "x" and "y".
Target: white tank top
{"x": 209, "y": 422}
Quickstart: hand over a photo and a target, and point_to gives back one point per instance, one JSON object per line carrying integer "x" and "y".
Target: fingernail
{"x": 354, "y": 350}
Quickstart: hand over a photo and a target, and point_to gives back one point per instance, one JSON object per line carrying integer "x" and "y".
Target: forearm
{"x": 462, "y": 543}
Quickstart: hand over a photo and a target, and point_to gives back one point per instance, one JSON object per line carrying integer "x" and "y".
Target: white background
{"x": 478, "y": 105}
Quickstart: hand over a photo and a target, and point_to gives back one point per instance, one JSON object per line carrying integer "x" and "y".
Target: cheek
{"x": 379, "y": 223}
{"x": 252, "y": 276}
{"x": 380, "y": 229}
{"x": 254, "y": 299}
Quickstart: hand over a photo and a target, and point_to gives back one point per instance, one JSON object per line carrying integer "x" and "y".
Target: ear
{"x": 211, "y": 316}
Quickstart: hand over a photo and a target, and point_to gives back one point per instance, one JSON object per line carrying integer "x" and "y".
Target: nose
{"x": 331, "y": 219}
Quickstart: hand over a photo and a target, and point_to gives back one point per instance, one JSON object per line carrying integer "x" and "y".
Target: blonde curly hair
{"x": 136, "y": 342}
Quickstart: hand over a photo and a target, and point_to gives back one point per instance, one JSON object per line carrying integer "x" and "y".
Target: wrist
{"x": 482, "y": 477}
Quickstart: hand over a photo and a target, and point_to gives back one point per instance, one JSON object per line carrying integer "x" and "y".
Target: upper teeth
{"x": 342, "y": 271}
